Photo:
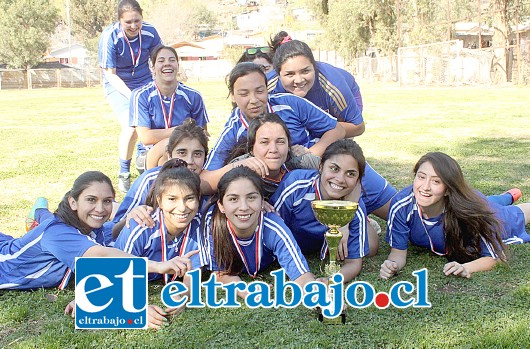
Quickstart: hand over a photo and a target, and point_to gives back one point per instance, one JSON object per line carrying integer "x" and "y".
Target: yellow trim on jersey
{"x": 333, "y": 92}
{"x": 271, "y": 84}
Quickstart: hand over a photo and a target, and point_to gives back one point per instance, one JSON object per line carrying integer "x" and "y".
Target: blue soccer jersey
{"x": 331, "y": 92}
{"x": 152, "y": 110}
{"x": 304, "y": 120}
{"x": 271, "y": 241}
{"x": 153, "y": 242}
{"x": 130, "y": 58}
{"x": 45, "y": 256}
{"x": 137, "y": 194}
{"x": 405, "y": 225}
{"x": 293, "y": 200}
{"x": 376, "y": 189}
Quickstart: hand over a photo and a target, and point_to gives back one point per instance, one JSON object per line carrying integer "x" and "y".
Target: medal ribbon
{"x": 163, "y": 243}
{"x": 258, "y": 242}
{"x": 135, "y": 59}
{"x": 167, "y": 119}
{"x": 427, "y": 232}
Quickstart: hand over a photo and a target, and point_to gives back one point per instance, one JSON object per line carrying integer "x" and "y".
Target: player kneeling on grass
{"x": 244, "y": 239}
{"x": 441, "y": 212}
{"x": 175, "y": 198}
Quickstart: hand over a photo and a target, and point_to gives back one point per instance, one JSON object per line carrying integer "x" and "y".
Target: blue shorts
{"x": 119, "y": 104}
{"x": 376, "y": 190}
{"x": 512, "y": 219}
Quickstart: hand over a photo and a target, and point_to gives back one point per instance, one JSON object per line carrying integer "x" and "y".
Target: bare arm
{"x": 326, "y": 139}
{"x": 352, "y": 130}
{"x": 117, "y": 82}
{"x": 210, "y": 179}
{"x": 351, "y": 268}
{"x": 226, "y": 279}
{"x": 395, "y": 261}
{"x": 466, "y": 269}
{"x": 153, "y": 136}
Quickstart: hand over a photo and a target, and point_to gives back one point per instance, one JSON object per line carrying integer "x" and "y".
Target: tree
{"x": 90, "y": 17}
{"x": 26, "y": 27}
{"x": 180, "y": 20}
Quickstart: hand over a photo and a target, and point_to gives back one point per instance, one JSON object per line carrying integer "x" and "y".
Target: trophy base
{"x": 339, "y": 320}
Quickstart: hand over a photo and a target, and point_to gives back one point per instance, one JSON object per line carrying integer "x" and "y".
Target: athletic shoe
{"x": 141, "y": 162}
{"x": 31, "y": 222}
{"x": 515, "y": 193}
{"x": 124, "y": 181}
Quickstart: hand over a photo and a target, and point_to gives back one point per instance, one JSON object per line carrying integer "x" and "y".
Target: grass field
{"x": 51, "y": 136}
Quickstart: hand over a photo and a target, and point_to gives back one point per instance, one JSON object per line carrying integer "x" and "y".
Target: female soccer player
{"x": 258, "y": 55}
{"x": 441, "y": 212}
{"x": 188, "y": 142}
{"x": 123, "y": 54}
{"x": 244, "y": 239}
{"x": 157, "y": 107}
{"x": 45, "y": 256}
{"x": 268, "y": 142}
{"x": 175, "y": 198}
{"x": 248, "y": 90}
{"x": 330, "y": 88}
{"x": 339, "y": 178}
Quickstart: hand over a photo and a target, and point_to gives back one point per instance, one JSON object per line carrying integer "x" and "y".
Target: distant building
{"x": 76, "y": 55}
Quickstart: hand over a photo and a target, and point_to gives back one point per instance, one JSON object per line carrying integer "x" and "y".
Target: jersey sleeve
{"x": 316, "y": 121}
{"x": 198, "y": 111}
{"x": 221, "y": 150}
{"x": 107, "y": 49}
{"x": 135, "y": 196}
{"x": 66, "y": 243}
{"x": 283, "y": 202}
{"x": 133, "y": 239}
{"x": 358, "y": 245}
{"x": 398, "y": 230}
{"x": 139, "y": 108}
{"x": 284, "y": 247}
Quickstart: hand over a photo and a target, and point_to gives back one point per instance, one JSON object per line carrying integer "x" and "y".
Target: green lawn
{"x": 50, "y": 136}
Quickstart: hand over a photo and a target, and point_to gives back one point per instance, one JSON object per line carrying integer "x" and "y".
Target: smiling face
{"x": 242, "y": 204}
{"x": 429, "y": 190}
{"x": 250, "y": 94}
{"x": 271, "y": 146}
{"x": 297, "y": 75}
{"x": 165, "y": 66}
{"x": 131, "y": 23}
{"x": 338, "y": 177}
{"x": 191, "y": 151}
{"x": 179, "y": 204}
{"x": 94, "y": 204}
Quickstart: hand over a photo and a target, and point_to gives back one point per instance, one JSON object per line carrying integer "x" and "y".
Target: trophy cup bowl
{"x": 333, "y": 214}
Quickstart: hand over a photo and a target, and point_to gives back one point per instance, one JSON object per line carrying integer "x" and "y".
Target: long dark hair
{"x": 188, "y": 129}
{"x": 277, "y": 40}
{"x": 128, "y": 5}
{"x": 85, "y": 180}
{"x": 226, "y": 254}
{"x": 157, "y": 49}
{"x": 172, "y": 172}
{"x": 290, "y": 49}
{"x": 468, "y": 217}
{"x": 240, "y": 70}
{"x": 345, "y": 146}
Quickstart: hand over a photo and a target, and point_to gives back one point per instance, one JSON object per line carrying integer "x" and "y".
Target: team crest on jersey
{"x": 111, "y": 293}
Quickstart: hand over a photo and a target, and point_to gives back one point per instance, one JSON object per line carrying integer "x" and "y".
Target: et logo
{"x": 110, "y": 293}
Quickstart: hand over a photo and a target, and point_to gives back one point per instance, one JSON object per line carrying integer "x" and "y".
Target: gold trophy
{"x": 333, "y": 214}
